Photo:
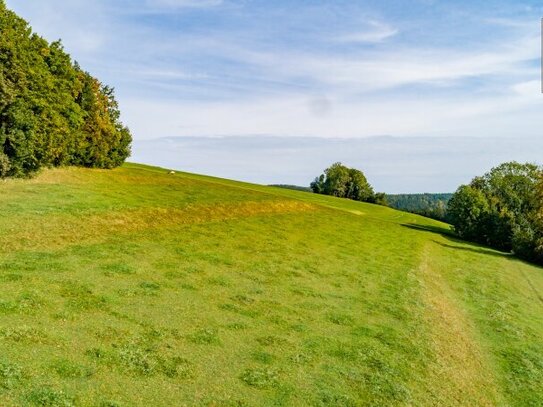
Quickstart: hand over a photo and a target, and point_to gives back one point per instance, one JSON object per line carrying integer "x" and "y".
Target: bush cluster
{"x": 52, "y": 113}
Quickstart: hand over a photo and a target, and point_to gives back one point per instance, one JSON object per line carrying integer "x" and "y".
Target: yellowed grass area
{"x": 62, "y": 230}
{"x": 356, "y": 212}
{"x": 459, "y": 364}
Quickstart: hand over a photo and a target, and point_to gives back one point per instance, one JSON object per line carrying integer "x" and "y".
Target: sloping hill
{"x": 137, "y": 287}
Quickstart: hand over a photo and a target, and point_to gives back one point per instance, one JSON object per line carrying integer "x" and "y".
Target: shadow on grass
{"x": 428, "y": 228}
{"x": 453, "y": 238}
{"x": 475, "y": 248}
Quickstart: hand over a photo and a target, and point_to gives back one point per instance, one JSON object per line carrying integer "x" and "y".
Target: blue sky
{"x": 340, "y": 70}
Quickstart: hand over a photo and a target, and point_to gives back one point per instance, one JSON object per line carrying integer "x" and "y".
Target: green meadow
{"x": 135, "y": 287}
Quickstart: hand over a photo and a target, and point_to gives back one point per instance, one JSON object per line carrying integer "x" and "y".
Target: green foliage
{"x": 468, "y": 209}
{"x": 5, "y": 166}
{"x": 51, "y": 112}
{"x": 531, "y": 232}
{"x": 343, "y": 182}
{"x": 380, "y": 198}
{"x": 500, "y": 209}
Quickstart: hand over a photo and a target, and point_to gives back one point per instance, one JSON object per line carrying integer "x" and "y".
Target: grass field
{"x": 133, "y": 287}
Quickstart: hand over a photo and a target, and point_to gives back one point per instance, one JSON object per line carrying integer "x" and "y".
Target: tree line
{"x": 52, "y": 113}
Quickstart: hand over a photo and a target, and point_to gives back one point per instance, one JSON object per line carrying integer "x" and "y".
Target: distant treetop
{"x": 343, "y": 182}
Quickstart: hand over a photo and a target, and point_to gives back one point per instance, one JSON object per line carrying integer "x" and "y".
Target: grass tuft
{"x": 205, "y": 336}
{"x": 10, "y": 375}
{"x": 341, "y": 319}
{"x": 24, "y": 334}
{"x": 261, "y": 378}
{"x": 46, "y": 396}
{"x": 70, "y": 370}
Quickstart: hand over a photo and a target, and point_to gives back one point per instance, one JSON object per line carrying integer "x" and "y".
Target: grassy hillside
{"x": 136, "y": 287}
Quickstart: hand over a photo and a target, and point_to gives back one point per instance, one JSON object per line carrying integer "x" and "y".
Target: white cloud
{"x": 526, "y": 25}
{"x": 375, "y": 32}
{"x": 528, "y": 88}
{"x": 403, "y": 66}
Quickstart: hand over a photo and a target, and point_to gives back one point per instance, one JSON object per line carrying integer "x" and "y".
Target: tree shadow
{"x": 475, "y": 248}
{"x": 428, "y": 228}
{"x": 460, "y": 243}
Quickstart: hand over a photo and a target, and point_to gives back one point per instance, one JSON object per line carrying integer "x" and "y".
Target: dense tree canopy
{"x": 502, "y": 209}
{"x": 429, "y": 205}
{"x": 51, "y": 112}
{"x": 343, "y": 182}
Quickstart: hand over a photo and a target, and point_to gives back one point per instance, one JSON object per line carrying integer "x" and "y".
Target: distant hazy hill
{"x": 136, "y": 287}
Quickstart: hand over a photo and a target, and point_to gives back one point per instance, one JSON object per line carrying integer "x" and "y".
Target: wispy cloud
{"x": 510, "y": 23}
{"x": 528, "y": 88}
{"x": 323, "y": 68}
{"x": 375, "y": 32}
{"x": 403, "y": 65}
{"x": 177, "y": 4}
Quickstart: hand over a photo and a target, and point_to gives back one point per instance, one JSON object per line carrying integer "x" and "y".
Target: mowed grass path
{"x": 133, "y": 287}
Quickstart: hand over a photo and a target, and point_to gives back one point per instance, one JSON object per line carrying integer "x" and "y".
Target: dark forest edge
{"x": 52, "y": 113}
{"x": 430, "y": 205}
